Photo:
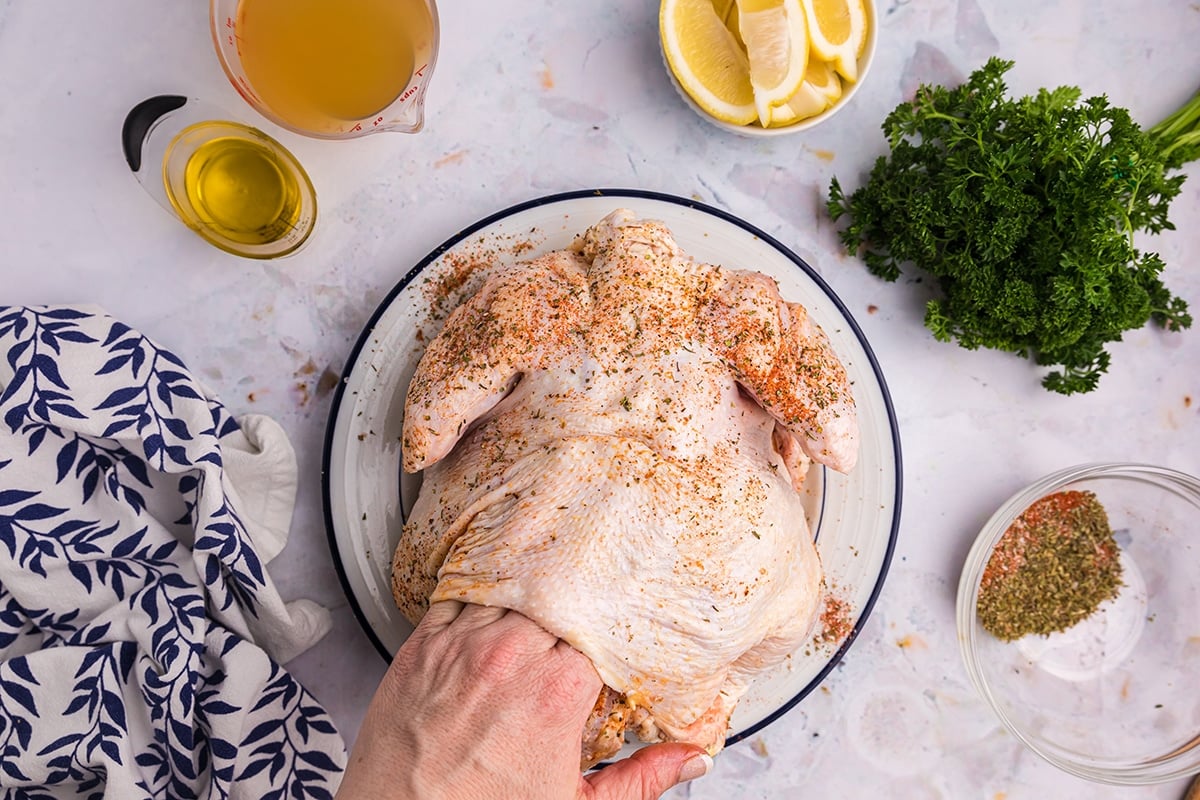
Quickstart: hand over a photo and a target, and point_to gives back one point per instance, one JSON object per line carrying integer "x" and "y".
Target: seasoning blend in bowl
{"x": 1077, "y": 617}
{"x": 1053, "y": 567}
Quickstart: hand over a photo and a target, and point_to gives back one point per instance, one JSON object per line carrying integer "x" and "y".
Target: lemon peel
{"x": 820, "y": 90}
{"x": 776, "y": 38}
{"x": 837, "y": 32}
{"x": 707, "y": 60}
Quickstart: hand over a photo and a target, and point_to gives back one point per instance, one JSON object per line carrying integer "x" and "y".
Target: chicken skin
{"x": 612, "y": 438}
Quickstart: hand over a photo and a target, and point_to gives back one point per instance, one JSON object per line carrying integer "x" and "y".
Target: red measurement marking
{"x": 376, "y": 122}
{"x": 229, "y": 22}
{"x": 421, "y": 72}
{"x": 248, "y": 92}
{"x": 231, "y": 38}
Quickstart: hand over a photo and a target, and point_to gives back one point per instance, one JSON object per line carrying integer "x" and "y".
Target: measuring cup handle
{"x": 140, "y": 119}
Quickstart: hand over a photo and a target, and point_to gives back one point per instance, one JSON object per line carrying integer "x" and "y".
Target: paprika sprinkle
{"x": 1052, "y": 568}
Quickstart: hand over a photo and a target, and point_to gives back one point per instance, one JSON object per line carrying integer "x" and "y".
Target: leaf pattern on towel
{"x": 120, "y": 672}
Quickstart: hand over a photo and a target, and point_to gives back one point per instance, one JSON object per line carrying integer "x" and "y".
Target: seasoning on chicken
{"x": 612, "y": 438}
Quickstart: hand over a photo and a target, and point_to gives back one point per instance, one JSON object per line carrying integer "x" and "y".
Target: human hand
{"x": 483, "y": 703}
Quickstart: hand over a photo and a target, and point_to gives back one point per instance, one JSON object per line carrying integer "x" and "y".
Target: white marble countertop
{"x": 529, "y": 99}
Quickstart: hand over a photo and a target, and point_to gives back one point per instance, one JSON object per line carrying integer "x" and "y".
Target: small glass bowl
{"x": 1113, "y": 699}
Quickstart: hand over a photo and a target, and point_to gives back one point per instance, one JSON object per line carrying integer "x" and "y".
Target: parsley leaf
{"x": 1024, "y": 211}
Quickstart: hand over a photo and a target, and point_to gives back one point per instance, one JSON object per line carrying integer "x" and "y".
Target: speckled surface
{"x": 529, "y": 99}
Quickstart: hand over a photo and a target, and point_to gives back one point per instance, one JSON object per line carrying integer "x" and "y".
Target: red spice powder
{"x": 1050, "y": 514}
{"x": 1051, "y": 568}
{"x": 460, "y": 265}
{"x": 836, "y": 623}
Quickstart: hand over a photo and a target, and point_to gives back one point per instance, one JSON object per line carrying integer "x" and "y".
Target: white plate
{"x": 853, "y": 517}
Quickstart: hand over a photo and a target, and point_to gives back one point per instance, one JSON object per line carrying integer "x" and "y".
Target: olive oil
{"x": 239, "y": 189}
{"x": 316, "y": 63}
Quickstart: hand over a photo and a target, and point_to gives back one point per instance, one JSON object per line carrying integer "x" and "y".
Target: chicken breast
{"x": 612, "y": 438}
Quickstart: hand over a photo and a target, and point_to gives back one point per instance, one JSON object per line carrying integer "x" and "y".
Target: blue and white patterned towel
{"x": 140, "y": 635}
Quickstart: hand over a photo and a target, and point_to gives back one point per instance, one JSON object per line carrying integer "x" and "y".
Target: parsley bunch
{"x": 1024, "y": 211}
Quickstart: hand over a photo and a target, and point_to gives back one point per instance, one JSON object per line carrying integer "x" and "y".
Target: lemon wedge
{"x": 806, "y": 102}
{"x": 728, "y": 12}
{"x": 822, "y": 77}
{"x": 837, "y": 32}
{"x": 776, "y": 38}
{"x": 707, "y": 60}
{"x": 820, "y": 90}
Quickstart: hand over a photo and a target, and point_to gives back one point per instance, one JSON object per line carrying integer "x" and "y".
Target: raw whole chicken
{"x": 612, "y": 438}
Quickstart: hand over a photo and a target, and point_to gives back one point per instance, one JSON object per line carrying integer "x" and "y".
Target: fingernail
{"x": 695, "y": 767}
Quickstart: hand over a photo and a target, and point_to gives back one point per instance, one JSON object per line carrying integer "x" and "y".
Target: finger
{"x": 476, "y": 616}
{"x": 577, "y": 674}
{"x": 437, "y": 618}
{"x": 529, "y": 631}
{"x": 648, "y": 773}
{"x": 440, "y": 615}
{"x": 576, "y": 659}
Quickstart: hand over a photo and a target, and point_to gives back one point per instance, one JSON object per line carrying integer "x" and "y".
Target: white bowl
{"x": 754, "y": 129}
{"x": 854, "y": 517}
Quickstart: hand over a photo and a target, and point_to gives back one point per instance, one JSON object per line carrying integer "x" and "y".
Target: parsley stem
{"x": 1179, "y": 121}
{"x": 1128, "y": 225}
{"x": 958, "y": 122}
{"x": 1180, "y": 131}
{"x": 1133, "y": 195}
{"x": 948, "y": 117}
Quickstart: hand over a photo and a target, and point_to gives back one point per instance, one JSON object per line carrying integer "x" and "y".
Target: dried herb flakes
{"x": 1051, "y": 569}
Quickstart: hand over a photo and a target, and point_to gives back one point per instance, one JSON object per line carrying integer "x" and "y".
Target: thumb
{"x": 648, "y": 773}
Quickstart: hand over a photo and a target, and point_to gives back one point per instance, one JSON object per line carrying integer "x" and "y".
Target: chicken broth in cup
{"x": 318, "y": 63}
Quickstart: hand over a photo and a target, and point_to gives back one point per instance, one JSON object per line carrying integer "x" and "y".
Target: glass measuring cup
{"x": 333, "y": 69}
